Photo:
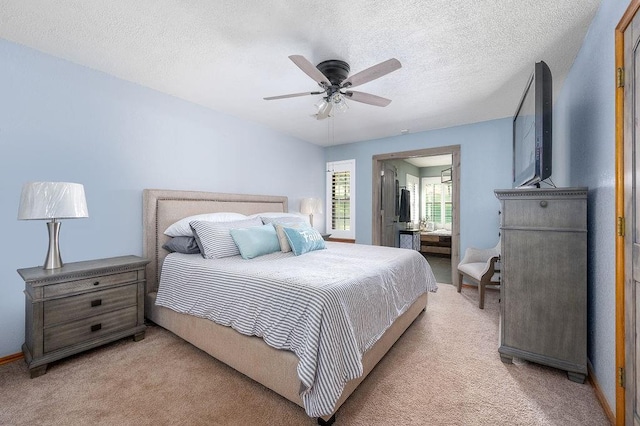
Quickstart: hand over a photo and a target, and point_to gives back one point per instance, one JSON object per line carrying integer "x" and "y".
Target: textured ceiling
{"x": 463, "y": 61}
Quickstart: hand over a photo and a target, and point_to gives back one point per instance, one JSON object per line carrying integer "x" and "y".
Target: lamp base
{"x": 53, "y": 259}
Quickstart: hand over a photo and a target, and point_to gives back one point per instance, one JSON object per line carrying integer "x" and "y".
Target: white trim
{"x": 342, "y": 166}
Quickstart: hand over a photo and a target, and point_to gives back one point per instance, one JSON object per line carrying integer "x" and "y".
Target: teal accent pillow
{"x": 256, "y": 241}
{"x": 303, "y": 240}
{"x": 282, "y": 237}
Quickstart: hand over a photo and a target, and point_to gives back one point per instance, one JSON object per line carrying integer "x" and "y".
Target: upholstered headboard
{"x": 161, "y": 208}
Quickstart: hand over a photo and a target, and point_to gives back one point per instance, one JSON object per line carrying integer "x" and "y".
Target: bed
{"x": 277, "y": 369}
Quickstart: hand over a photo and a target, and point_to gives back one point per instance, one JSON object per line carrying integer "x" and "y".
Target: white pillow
{"x": 281, "y": 215}
{"x": 182, "y": 229}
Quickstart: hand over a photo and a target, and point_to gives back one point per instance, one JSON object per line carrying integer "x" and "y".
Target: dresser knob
{"x": 543, "y": 204}
{"x": 96, "y": 302}
{"x": 96, "y": 327}
{"x": 96, "y": 283}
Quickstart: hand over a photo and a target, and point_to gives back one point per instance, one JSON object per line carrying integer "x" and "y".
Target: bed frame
{"x": 273, "y": 368}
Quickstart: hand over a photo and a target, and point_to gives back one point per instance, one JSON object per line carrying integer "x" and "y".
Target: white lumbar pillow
{"x": 182, "y": 229}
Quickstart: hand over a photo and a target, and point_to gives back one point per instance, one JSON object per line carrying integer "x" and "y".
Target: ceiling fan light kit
{"x": 333, "y": 78}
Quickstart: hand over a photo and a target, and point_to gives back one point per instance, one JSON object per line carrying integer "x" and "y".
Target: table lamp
{"x": 310, "y": 206}
{"x": 52, "y": 200}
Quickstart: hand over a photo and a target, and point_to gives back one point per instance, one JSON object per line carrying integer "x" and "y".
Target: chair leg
{"x": 481, "y": 289}
{"x": 459, "y": 282}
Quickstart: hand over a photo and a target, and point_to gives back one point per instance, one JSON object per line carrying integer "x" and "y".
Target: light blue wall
{"x": 585, "y": 118}
{"x": 403, "y": 168}
{"x": 485, "y": 165}
{"x": 435, "y": 171}
{"x": 63, "y": 122}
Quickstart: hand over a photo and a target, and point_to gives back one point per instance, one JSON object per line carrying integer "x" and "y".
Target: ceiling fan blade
{"x": 371, "y": 73}
{"x": 293, "y": 95}
{"x": 367, "y": 98}
{"x": 324, "y": 111}
{"x": 310, "y": 70}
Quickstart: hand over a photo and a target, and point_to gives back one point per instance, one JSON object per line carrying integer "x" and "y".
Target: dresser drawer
{"x": 89, "y": 304}
{"x": 545, "y": 213}
{"x": 84, "y": 330}
{"x": 94, "y": 283}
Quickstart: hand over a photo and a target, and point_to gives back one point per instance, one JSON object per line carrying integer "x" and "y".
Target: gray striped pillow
{"x": 214, "y": 238}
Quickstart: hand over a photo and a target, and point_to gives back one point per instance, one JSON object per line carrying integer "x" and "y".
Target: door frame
{"x": 376, "y": 221}
{"x": 623, "y": 200}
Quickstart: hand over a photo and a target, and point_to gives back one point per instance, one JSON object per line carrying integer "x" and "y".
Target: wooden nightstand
{"x": 80, "y": 306}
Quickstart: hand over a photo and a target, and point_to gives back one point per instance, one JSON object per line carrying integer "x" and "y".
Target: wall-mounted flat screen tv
{"x": 532, "y": 130}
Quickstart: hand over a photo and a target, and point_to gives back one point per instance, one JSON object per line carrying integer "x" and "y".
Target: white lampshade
{"x": 52, "y": 200}
{"x": 310, "y": 206}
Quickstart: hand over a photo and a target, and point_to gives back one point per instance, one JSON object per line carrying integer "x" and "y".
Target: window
{"x": 413, "y": 186}
{"x": 341, "y": 183}
{"x": 436, "y": 202}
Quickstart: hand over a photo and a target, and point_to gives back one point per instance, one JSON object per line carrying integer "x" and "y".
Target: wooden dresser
{"x": 80, "y": 306}
{"x": 543, "y": 309}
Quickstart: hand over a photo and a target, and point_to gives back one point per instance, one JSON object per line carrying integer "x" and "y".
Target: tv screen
{"x": 532, "y": 130}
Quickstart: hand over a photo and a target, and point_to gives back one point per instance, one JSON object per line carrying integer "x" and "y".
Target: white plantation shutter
{"x": 437, "y": 201}
{"x": 341, "y": 199}
{"x": 413, "y": 186}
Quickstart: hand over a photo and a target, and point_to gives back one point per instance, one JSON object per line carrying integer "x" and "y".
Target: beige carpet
{"x": 445, "y": 370}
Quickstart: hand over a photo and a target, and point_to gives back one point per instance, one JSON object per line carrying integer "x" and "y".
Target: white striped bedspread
{"x": 327, "y": 306}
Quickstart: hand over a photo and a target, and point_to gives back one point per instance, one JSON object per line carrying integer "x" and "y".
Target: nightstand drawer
{"x": 89, "y": 304}
{"x": 84, "y": 330}
{"x": 94, "y": 283}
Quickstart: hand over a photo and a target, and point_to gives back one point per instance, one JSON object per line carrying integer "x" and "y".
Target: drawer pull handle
{"x": 96, "y": 283}
{"x": 96, "y": 302}
{"x": 543, "y": 204}
{"x": 96, "y": 327}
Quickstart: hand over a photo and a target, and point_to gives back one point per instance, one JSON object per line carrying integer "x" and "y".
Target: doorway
{"x": 441, "y": 249}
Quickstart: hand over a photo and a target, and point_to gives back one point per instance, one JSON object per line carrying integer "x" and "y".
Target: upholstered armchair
{"x": 481, "y": 267}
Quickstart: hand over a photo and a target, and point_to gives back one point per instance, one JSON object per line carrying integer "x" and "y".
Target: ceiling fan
{"x": 333, "y": 77}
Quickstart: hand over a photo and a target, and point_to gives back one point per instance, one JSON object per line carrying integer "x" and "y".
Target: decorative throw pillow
{"x": 181, "y": 228}
{"x": 282, "y": 237}
{"x": 303, "y": 240}
{"x": 255, "y": 241}
{"x": 186, "y": 245}
{"x": 214, "y": 238}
